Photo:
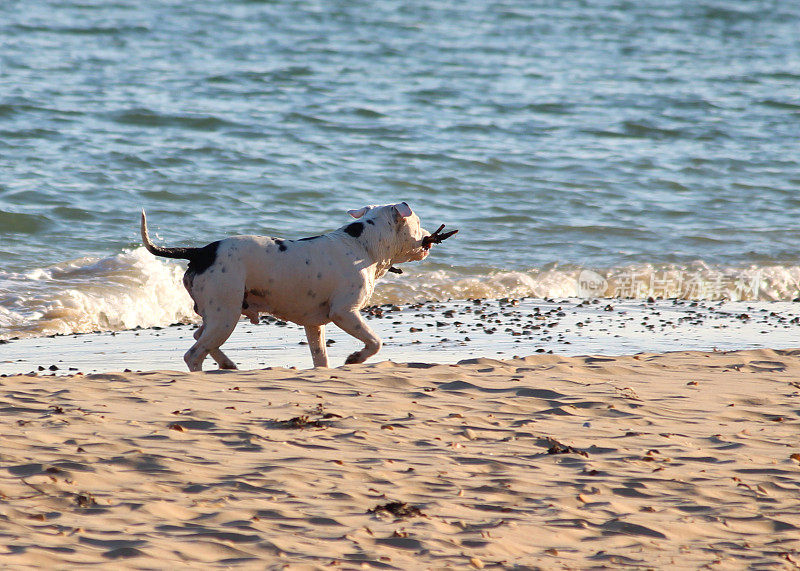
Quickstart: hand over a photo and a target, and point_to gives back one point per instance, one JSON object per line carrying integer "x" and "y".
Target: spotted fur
{"x": 312, "y": 281}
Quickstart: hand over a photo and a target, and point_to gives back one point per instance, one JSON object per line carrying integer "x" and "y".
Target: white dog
{"x": 311, "y": 281}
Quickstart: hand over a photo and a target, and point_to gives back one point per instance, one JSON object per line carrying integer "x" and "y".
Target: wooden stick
{"x": 436, "y": 237}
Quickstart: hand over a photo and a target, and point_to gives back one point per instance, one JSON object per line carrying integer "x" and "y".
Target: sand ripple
{"x": 683, "y": 459}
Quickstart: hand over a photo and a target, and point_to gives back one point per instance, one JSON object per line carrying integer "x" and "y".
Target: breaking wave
{"x": 697, "y": 281}
{"x": 129, "y": 290}
{"x": 134, "y": 289}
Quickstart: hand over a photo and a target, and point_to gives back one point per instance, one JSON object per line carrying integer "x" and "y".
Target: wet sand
{"x": 438, "y": 333}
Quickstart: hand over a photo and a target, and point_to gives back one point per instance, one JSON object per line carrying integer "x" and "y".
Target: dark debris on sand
{"x": 85, "y": 500}
{"x": 557, "y": 447}
{"x": 400, "y": 510}
{"x": 325, "y": 419}
{"x": 302, "y": 421}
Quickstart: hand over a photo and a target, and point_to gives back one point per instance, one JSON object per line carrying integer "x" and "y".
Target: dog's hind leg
{"x": 316, "y": 342}
{"x": 221, "y": 358}
{"x": 351, "y": 322}
{"x": 213, "y": 333}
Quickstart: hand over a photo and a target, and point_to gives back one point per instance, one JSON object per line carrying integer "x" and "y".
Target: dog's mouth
{"x": 436, "y": 238}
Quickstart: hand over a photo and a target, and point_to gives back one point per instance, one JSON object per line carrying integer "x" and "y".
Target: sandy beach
{"x": 682, "y": 459}
{"x": 600, "y": 370}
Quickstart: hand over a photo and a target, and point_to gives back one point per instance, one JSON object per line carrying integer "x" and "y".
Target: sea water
{"x": 591, "y": 149}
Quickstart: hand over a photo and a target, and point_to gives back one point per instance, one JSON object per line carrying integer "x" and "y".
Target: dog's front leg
{"x": 351, "y": 322}
{"x": 316, "y": 342}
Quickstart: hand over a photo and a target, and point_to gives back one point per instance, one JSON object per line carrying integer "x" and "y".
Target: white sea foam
{"x": 697, "y": 281}
{"x": 134, "y": 289}
{"x": 125, "y": 291}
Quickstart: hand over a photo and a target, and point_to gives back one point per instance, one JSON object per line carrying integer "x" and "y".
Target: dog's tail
{"x": 179, "y": 253}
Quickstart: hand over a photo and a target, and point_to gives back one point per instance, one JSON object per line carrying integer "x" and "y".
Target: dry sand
{"x": 674, "y": 460}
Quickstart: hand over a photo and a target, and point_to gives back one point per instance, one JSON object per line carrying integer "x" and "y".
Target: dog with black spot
{"x": 311, "y": 281}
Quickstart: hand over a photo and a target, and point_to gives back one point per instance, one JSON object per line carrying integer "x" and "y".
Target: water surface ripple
{"x": 602, "y": 136}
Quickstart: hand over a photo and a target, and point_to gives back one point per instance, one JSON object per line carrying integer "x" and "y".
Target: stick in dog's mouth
{"x": 436, "y": 237}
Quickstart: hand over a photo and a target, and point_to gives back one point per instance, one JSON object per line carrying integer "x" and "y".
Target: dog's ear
{"x": 358, "y": 213}
{"x": 403, "y": 209}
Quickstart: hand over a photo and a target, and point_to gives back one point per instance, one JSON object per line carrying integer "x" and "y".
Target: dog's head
{"x": 406, "y": 244}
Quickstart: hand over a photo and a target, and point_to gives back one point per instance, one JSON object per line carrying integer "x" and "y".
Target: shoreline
{"x": 437, "y": 332}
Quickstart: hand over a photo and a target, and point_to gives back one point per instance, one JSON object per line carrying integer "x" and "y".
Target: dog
{"x": 311, "y": 281}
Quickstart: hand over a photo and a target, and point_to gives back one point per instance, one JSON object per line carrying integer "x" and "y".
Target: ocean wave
{"x": 20, "y": 223}
{"x": 134, "y": 289}
{"x": 697, "y": 281}
{"x": 129, "y": 290}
